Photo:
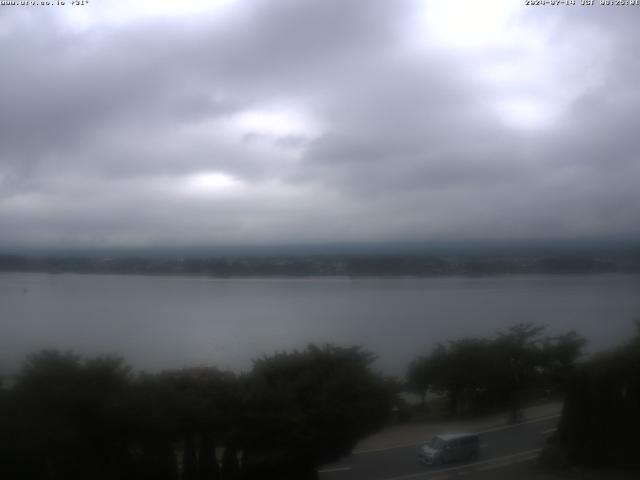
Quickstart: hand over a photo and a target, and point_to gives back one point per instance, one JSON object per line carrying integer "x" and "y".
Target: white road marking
{"x": 491, "y": 429}
{"x": 494, "y": 462}
{"x": 484, "y": 445}
{"x": 337, "y": 469}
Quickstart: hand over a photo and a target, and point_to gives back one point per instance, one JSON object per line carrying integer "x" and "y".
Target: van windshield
{"x": 437, "y": 443}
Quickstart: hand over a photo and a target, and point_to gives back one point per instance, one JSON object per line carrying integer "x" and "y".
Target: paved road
{"x": 501, "y": 447}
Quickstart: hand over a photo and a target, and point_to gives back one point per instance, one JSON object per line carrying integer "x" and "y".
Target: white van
{"x": 449, "y": 448}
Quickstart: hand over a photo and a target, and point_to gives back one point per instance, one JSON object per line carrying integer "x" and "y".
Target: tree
{"x": 209, "y": 468}
{"x": 477, "y": 373}
{"x": 189, "y": 411}
{"x": 520, "y": 348}
{"x": 560, "y": 356}
{"x": 420, "y": 377}
{"x": 601, "y": 416}
{"x": 67, "y": 412}
{"x": 309, "y": 407}
{"x": 230, "y": 465}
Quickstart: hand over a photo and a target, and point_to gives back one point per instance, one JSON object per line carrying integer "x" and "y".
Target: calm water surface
{"x": 164, "y": 322}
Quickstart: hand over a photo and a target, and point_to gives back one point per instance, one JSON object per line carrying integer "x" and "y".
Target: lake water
{"x": 167, "y": 322}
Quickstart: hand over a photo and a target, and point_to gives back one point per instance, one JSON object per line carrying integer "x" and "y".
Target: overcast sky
{"x": 151, "y": 123}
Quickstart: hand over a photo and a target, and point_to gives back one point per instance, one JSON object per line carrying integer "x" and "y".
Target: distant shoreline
{"x": 347, "y": 266}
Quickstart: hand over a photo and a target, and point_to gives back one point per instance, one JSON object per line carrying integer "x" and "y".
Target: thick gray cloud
{"x": 328, "y": 121}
